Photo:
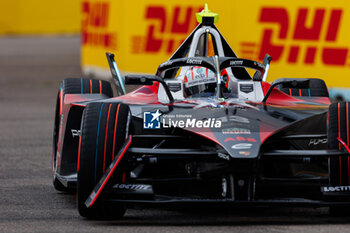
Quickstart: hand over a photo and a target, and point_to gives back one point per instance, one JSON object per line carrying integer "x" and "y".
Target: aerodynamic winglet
{"x": 103, "y": 181}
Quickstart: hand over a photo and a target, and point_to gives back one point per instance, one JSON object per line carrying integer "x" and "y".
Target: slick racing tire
{"x": 317, "y": 88}
{"x": 338, "y": 127}
{"x": 86, "y": 86}
{"x": 73, "y": 86}
{"x": 104, "y": 131}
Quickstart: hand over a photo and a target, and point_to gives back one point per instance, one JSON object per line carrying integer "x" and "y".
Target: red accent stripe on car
{"x": 101, "y": 184}
{"x": 90, "y": 86}
{"x": 124, "y": 178}
{"x": 347, "y": 137}
{"x": 340, "y": 178}
{"x": 339, "y": 123}
{"x": 61, "y": 101}
{"x": 347, "y": 123}
{"x": 115, "y": 129}
{"x": 78, "y": 163}
{"x": 344, "y": 145}
{"x": 229, "y": 139}
{"x": 58, "y": 160}
{"x": 290, "y": 91}
{"x": 59, "y": 124}
{"x": 105, "y": 146}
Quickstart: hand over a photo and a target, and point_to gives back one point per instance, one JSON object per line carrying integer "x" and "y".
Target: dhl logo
{"x": 318, "y": 38}
{"x": 166, "y": 30}
{"x": 95, "y": 18}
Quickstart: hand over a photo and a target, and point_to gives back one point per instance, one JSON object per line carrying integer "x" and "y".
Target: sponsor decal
{"x": 240, "y": 139}
{"x": 335, "y": 188}
{"x": 194, "y": 61}
{"x": 95, "y": 20}
{"x": 166, "y": 30}
{"x": 223, "y": 156}
{"x": 246, "y": 88}
{"x": 237, "y": 63}
{"x": 236, "y": 131}
{"x": 167, "y": 63}
{"x": 151, "y": 120}
{"x": 174, "y": 87}
{"x": 75, "y": 133}
{"x": 134, "y": 187}
{"x": 314, "y": 142}
{"x": 309, "y": 38}
{"x": 191, "y": 123}
{"x": 245, "y": 153}
{"x": 195, "y": 76}
{"x": 242, "y": 146}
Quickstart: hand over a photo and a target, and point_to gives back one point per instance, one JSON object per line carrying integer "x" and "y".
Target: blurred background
{"x": 305, "y": 38}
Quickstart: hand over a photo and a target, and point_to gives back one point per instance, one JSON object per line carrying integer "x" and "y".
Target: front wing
{"x": 237, "y": 182}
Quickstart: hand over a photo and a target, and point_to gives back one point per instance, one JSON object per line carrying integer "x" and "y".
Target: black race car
{"x": 203, "y": 129}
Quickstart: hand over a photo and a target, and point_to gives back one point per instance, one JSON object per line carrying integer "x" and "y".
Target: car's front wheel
{"x": 72, "y": 86}
{"x": 104, "y": 132}
{"x": 338, "y": 132}
{"x": 317, "y": 88}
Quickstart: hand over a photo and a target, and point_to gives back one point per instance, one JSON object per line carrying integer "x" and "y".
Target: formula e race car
{"x": 206, "y": 128}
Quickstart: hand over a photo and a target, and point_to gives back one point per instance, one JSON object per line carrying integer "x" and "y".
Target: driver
{"x": 201, "y": 82}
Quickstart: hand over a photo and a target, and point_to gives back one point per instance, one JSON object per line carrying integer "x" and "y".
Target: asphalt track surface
{"x": 30, "y": 72}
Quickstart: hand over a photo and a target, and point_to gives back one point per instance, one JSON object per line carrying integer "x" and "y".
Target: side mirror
{"x": 148, "y": 80}
{"x": 266, "y": 62}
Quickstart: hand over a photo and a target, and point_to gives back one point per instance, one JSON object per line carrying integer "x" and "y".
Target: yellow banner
{"x": 39, "y": 17}
{"x": 305, "y": 38}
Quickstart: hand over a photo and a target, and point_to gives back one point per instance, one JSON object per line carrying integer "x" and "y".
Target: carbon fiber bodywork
{"x": 270, "y": 149}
